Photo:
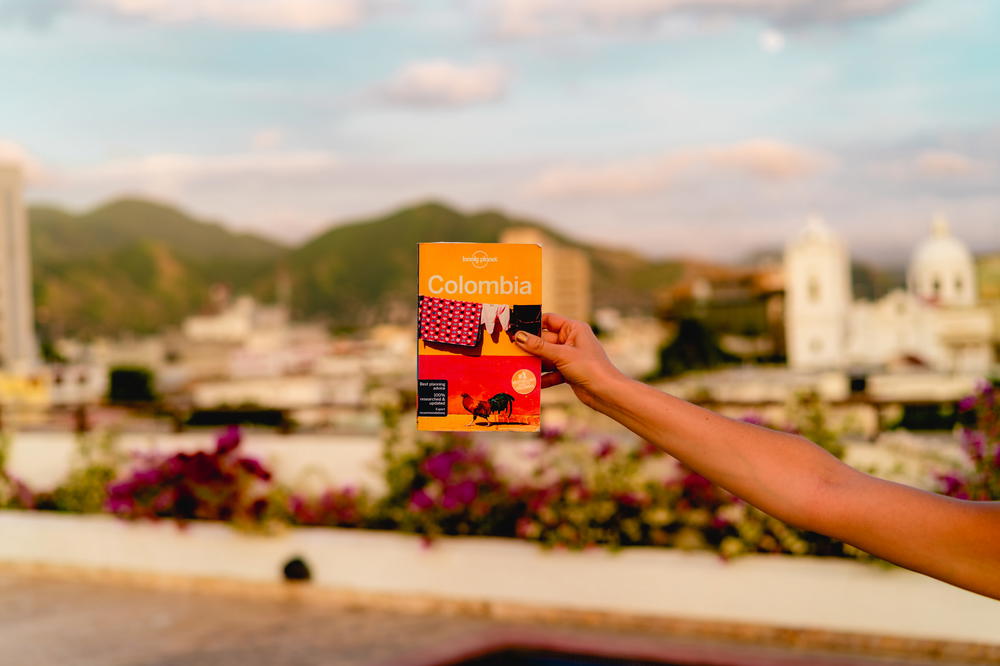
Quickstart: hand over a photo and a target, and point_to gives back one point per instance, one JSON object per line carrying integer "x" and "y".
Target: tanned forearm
{"x": 778, "y": 472}
{"x": 798, "y": 482}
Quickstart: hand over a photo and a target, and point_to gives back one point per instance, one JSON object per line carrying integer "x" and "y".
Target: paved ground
{"x": 52, "y": 622}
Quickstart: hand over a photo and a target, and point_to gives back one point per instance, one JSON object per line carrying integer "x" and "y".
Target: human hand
{"x": 571, "y": 353}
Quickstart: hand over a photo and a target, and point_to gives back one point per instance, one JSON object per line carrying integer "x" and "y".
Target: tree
{"x": 695, "y": 347}
{"x": 129, "y": 385}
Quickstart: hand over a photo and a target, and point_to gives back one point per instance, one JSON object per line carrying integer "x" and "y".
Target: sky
{"x": 707, "y": 128}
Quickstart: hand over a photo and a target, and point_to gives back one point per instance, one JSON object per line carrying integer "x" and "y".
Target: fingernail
{"x": 521, "y": 336}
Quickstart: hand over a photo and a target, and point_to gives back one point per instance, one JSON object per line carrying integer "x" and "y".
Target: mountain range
{"x": 133, "y": 265}
{"x": 138, "y": 266}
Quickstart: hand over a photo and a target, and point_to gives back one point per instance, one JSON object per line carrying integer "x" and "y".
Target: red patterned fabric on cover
{"x": 451, "y": 322}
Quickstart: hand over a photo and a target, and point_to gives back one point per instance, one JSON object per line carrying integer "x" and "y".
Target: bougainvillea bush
{"x": 444, "y": 484}
{"x": 610, "y": 495}
{"x": 980, "y": 436}
{"x": 206, "y": 485}
{"x": 576, "y": 492}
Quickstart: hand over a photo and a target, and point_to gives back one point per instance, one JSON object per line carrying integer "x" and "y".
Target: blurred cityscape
{"x": 259, "y": 352}
{"x": 786, "y": 212}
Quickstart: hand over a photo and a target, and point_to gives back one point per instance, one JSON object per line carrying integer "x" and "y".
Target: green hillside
{"x": 366, "y": 271}
{"x": 134, "y": 265}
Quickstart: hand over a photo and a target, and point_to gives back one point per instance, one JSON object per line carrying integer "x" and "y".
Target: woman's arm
{"x": 785, "y": 475}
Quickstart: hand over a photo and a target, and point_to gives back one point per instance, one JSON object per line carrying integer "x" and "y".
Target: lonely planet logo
{"x": 479, "y": 259}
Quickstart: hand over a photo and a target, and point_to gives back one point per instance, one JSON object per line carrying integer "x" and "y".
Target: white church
{"x": 934, "y": 323}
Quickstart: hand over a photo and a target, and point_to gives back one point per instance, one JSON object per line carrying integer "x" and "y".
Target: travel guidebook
{"x": 472, "y": 299}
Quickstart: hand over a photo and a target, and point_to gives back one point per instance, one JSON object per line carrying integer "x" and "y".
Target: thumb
{"x": 537, "y": 346}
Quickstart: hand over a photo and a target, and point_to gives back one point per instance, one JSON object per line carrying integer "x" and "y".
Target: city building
{"x": 565, "y": 273}
{"x": 934, "y": 324}
{"x": 18, "y": 347}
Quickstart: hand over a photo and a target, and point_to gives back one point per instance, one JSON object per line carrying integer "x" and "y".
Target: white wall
{"x": 810, "y": 593}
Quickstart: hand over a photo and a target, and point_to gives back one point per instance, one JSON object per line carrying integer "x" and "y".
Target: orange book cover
{"x": 471, "y": 301}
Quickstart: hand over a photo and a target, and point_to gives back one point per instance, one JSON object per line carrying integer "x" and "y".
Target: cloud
{"x": 772, "y": 41}
{"x": 759, "y": 159}
{"x": 267, "y": 138}
{"x": 936, "y": 163}
{"x": 541, "y": 17}
{"x": 443, "y": 83}
{"x": 295, "y": 15}
{"x": 171, "y": 174}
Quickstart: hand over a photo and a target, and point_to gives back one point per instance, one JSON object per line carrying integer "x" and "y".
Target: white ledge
{"x": 769, "y": 590}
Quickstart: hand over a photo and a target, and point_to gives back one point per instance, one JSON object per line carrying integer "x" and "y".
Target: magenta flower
{"x": 630, "y": 499}
{"x": 550, "y": 435}
{"x": 463, "y": 492}
{"x": 974, "y": 443}
{"x": 439, "y": 465}
{"x": 952, "y": 484}
{"x": 420, "y": 500}
{"x": 647, "y": 449}
{"x": 252, "y": 466}
{"x": 148, "y": 476}
{"x": 228, "y": 440}
{"x": 120, "y": 497}
{"x": 967, "y": 403}
{"x": 606, "y": 449}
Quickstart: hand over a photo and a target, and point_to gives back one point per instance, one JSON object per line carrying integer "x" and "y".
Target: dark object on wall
{"x": 296, "y": 570}
{"x": 130, "y": 385}
{"x": 260, "y": 416}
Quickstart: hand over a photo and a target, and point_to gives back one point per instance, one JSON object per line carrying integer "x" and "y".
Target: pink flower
{"x": 550, "y": 435}
{"x": 147, "y": 477}
{"x": 647, "y": 449}
{"x": 967, "y": 403}
{"x": 606, "y": 449}
{"x": 252, "y": 466}
{"x": 439, "y": 465}
{"x": 952, "y": 484}
{"x": 120, "y": 498}
{"x": 420, "y": 500}
{"x": 630, "y": 499}
{"x": 974, "y": 443}
{"x": 228, "y": 440}
{"x": 463, "y": 493}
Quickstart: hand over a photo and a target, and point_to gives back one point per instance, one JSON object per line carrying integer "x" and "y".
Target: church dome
{"x": 942, "y": 269}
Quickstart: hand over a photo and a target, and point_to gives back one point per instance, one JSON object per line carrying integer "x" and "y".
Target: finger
{"x": 553, "y": 321}
{"x": 538, "y": 346}
{"x": 553, "y": 378}
{"x": 550, "y": 336}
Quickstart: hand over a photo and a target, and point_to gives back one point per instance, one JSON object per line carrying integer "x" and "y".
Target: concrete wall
{"x": 811, "y": 593}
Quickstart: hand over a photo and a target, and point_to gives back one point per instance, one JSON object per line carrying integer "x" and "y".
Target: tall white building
{"x": 18, "y": 348}
{"x": 934, "y": 323}
{"x": 817, "y": 297}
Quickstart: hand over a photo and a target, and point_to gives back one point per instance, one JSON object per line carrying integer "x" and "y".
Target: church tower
{"x": 942, "y": 270}
{"x": 817, "y": 298}
{"x": 18, "y": 349}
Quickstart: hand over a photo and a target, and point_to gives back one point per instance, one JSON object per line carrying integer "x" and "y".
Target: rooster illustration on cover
{"x": 498, "y": 404}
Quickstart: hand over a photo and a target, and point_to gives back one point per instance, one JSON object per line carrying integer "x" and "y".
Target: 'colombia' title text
{"x": 436, "y": 284}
